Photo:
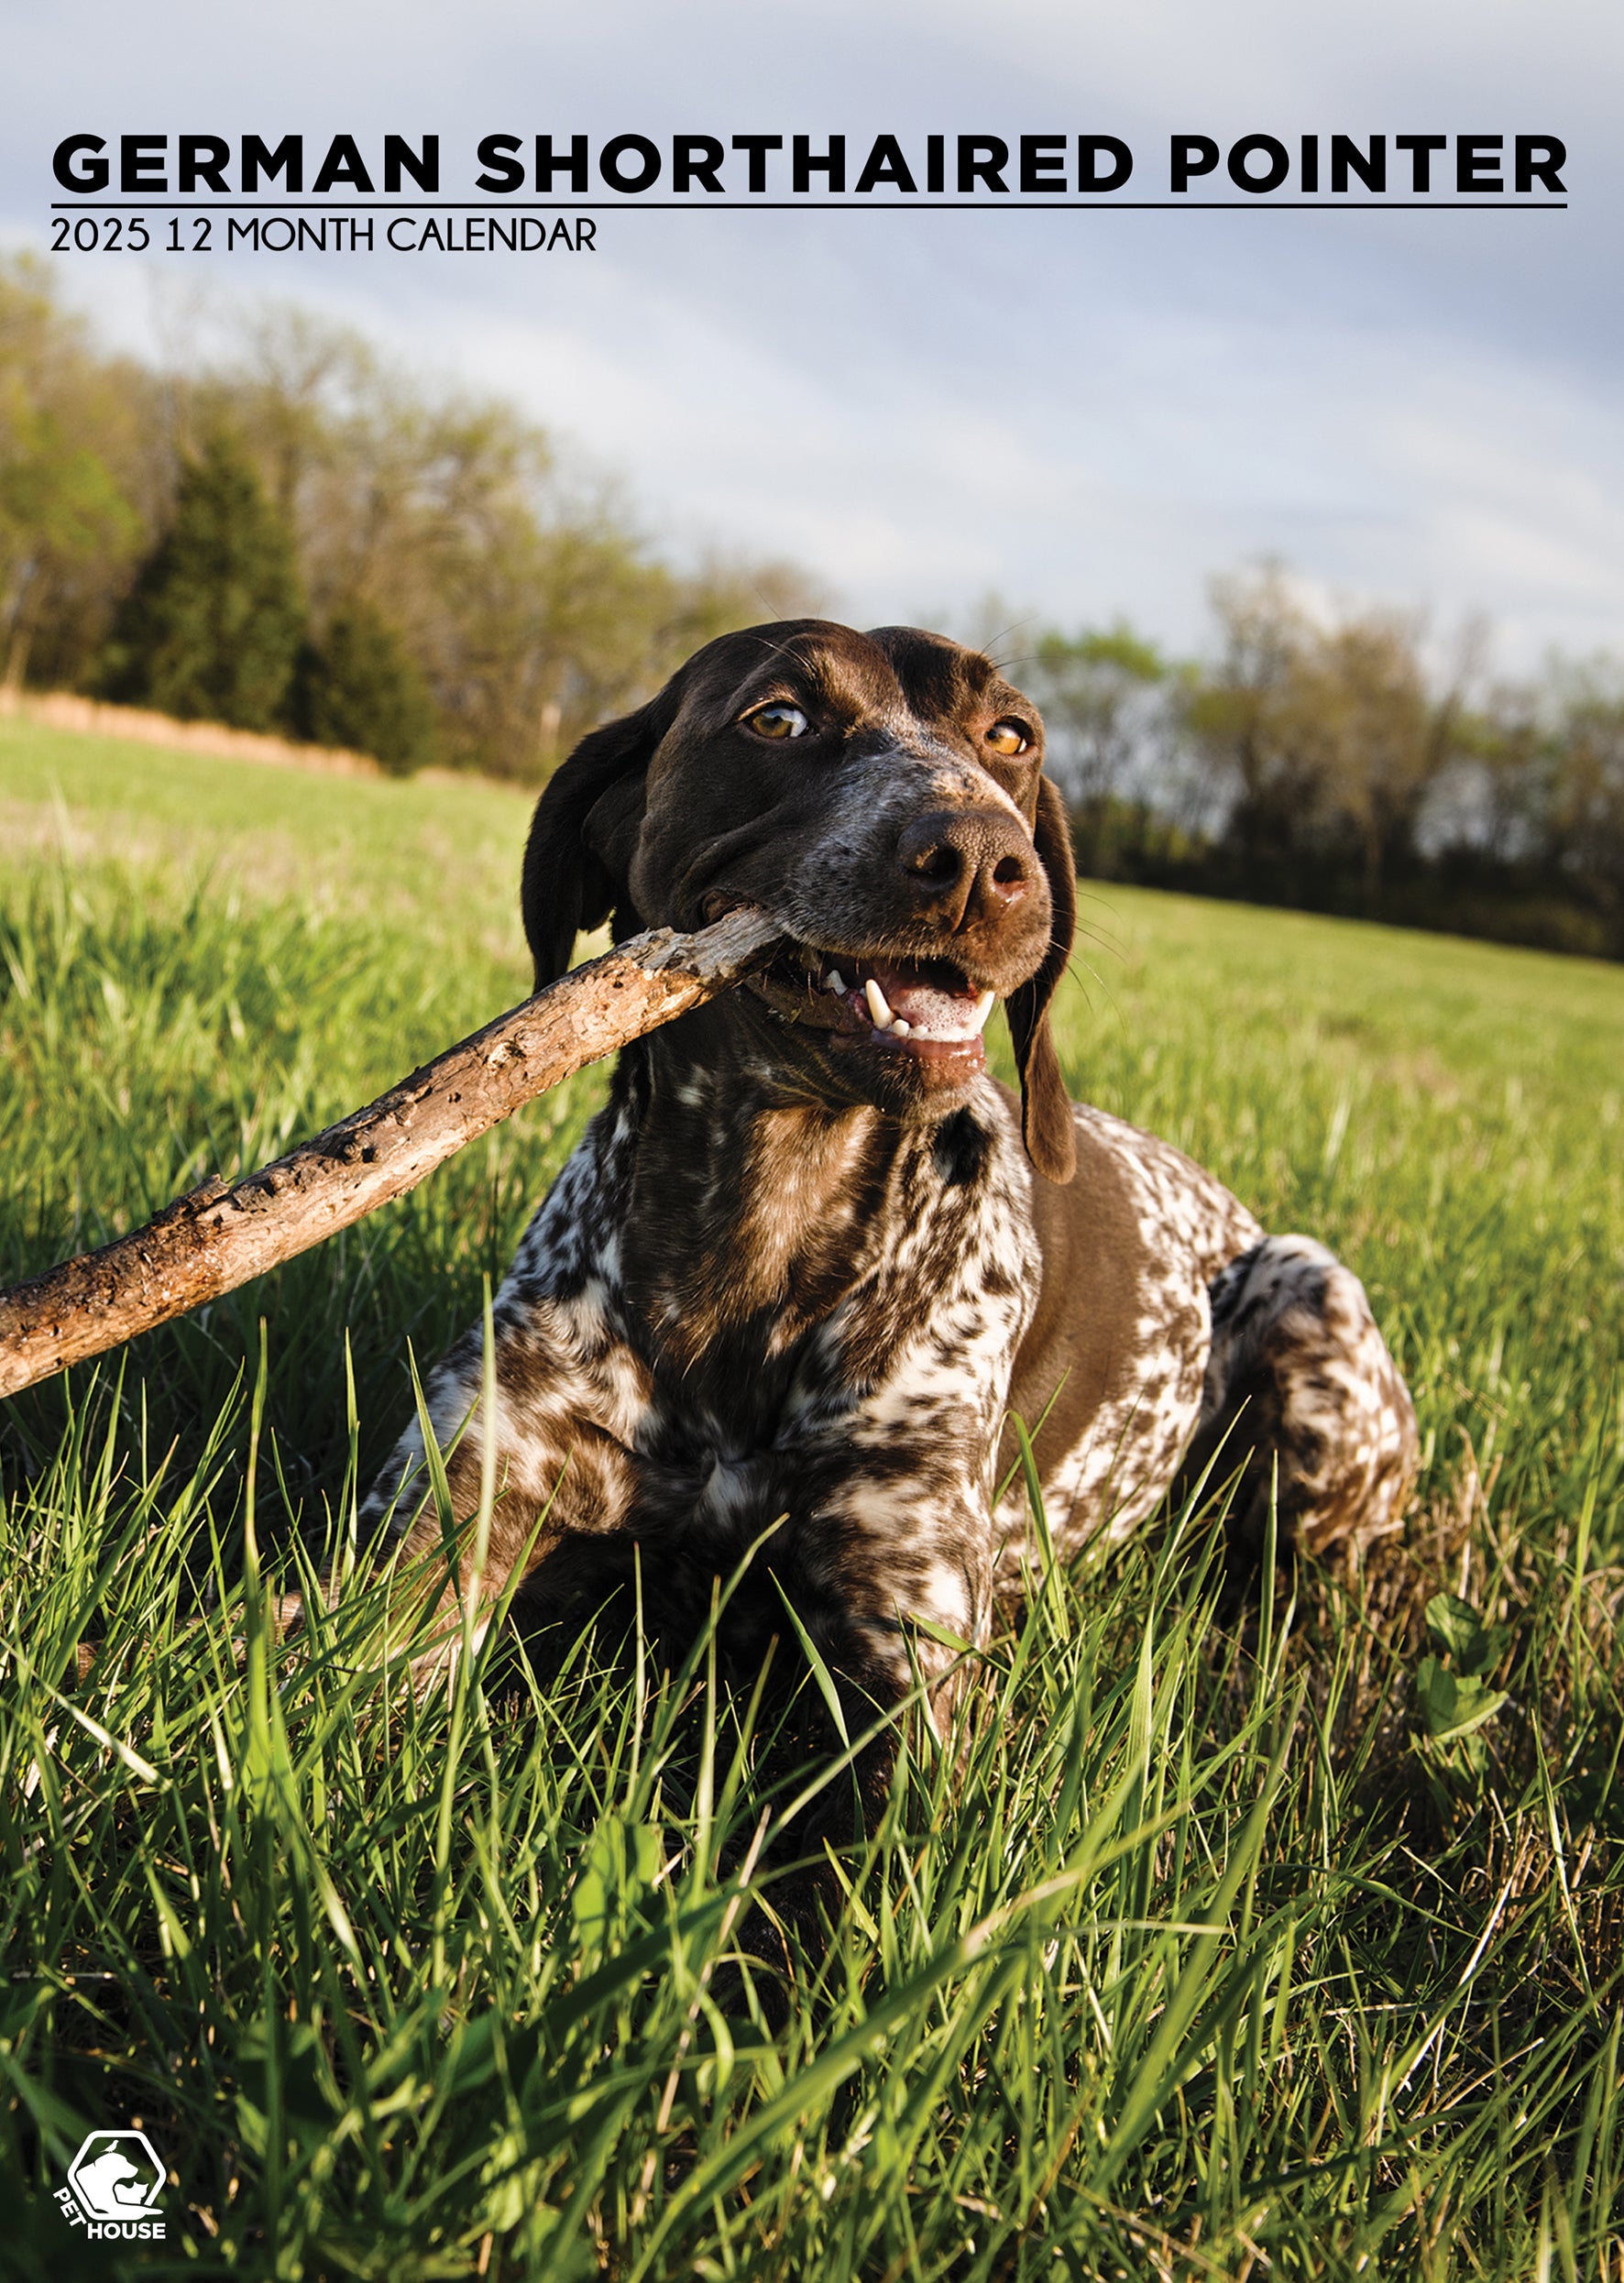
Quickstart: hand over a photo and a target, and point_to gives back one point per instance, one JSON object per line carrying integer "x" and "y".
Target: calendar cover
{"x": 810, "y": 1246}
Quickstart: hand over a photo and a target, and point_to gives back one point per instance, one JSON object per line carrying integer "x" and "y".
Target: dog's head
{"x": 882, "y": 796}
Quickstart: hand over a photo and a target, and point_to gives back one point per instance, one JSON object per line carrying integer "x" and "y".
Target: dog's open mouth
{"x": 929, "y": 1007}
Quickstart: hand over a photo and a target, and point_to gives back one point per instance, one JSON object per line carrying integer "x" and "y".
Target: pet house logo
{"x": 114, "y": 2185}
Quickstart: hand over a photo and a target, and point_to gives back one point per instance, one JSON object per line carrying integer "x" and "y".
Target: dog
{"x": 809, "y": 1258}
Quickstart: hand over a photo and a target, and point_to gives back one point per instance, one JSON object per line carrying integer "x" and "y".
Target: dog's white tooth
{"x": 899, "y": 1026}
{"x": 878, "y": 1005}
{"x": 983, "y": 1007}
{"x": 834, "y": 980}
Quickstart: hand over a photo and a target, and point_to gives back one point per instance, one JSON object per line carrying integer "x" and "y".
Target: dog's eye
{"x": 1009, "y": 737}
{"x": 778, "y": 721}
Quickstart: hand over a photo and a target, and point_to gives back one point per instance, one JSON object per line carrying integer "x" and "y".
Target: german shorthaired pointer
{"x": 808, "y": 1257}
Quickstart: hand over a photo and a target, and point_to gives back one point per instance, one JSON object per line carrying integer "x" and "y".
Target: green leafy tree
{"x": 1102, "y": 694}
{"x": 362, "y": 688}
{"x": 211, "y": 628}
{"x": 60, "y": 507}
{"x": 73, "y": 481}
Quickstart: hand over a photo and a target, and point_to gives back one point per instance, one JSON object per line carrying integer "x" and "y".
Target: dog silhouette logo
{"x": 114, "y": 2186}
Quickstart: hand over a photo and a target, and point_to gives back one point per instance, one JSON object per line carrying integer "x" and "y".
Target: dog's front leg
{"x": 518, "y": 1451}
{"x": 908, "y": 1549}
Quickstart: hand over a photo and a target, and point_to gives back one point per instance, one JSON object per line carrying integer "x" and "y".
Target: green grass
{"x": 1212, "y": 1953}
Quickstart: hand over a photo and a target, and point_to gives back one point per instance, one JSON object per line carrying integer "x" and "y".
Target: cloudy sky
{"x": 1089, "y": 411}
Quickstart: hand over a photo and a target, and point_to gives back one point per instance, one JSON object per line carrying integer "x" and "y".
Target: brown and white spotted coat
{"x": 809, "y": 1257}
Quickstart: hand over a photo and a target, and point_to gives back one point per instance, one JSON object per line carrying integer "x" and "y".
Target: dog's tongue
{"x": 926, "y": 1005}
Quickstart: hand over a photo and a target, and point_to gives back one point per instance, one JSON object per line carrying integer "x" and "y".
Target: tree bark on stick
{"x": 216, "y": 1237}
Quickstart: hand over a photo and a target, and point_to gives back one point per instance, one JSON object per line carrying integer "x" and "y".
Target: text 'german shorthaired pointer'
{"x": 810, "y": 1254}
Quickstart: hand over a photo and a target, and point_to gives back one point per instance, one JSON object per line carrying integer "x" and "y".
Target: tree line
{"x": 1335, "y": 761}
{"x": 295, "y": 535}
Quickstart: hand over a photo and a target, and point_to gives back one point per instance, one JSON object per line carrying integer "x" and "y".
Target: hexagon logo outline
{"x": 116, "y": 2175}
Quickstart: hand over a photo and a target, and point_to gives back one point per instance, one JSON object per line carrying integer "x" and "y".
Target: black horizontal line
{"x": 1104, "y": 204}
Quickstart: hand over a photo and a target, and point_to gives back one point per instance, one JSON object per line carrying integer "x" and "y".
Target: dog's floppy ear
{"x": 1045, "y": 1107}
{"x": 582, "y": 834}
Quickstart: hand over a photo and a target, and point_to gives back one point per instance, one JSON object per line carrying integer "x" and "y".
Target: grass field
{"x": 1286, "y": 1944}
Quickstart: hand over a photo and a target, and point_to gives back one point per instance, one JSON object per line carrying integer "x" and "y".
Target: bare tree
{"x": 1328, "y": 735}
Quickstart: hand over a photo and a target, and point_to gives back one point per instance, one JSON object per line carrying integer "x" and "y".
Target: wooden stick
{"x": 215, "y": 1238}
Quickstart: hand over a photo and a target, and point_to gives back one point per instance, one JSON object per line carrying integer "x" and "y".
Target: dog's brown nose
{"x": 970, "y": 864}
